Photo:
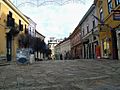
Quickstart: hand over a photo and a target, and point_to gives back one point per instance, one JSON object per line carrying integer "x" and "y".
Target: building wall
{"x": 65, "y": 48}
{"x": 89, "y": 33}
{"x": 57, "y": 52}
{"x": 38, "y": 54}
{"x": 31, "y": 27}
{"x": 7, "y": 6}
{"x": 107, "y": 39}
{"x": 52, "y": 42}
{"x": 75, "y": 43}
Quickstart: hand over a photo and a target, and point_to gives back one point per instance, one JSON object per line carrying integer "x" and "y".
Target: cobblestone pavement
{"x": 62, "y": 75}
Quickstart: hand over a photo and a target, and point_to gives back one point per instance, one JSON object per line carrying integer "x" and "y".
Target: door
{"x": 9, "y": 46}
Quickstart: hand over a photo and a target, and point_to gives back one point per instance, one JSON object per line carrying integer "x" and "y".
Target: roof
{"x": 15, "y": 9}
{"x": 63, "y": 41}
{"x": 30, "y": 19}
{"x": 87, "y": 14}
{"x": 39, "y": 33}
{"x": 95, "y": 1}
{"x": 83, "y": 19}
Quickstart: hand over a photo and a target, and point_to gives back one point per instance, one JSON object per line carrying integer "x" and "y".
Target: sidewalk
{"x": 3, "y": 61}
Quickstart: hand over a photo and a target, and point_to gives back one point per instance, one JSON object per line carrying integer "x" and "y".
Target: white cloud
{"x": 57, "y": 21}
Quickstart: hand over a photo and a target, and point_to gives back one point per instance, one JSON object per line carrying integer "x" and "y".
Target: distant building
{"x": 63, "y": 50}
{"x": 38, "y": 54}
{"x": 39, "y": 35}
{"x": 52, "y": 42}
{"x": 31, "y": 26}
{"x": 76, "y": 48}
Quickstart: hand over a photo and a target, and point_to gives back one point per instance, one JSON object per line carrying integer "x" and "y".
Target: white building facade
{"x": 89, "y": 31}
{"x": 52, "y": 42}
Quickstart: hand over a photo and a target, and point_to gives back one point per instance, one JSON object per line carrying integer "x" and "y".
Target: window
{"x": 20, "y": 26}
{"x": 19, "y": 22}
{"x": 109, "y": 6}
{"x": 10, "y": 14}
{"x": 117, "y": 2}
{"x": 83, "y": 32}
{"x": 87, "y": 28}
{"x": 25, "y": 27}
{"x": 101, "y": 15}
{"x": 93, "y": 23}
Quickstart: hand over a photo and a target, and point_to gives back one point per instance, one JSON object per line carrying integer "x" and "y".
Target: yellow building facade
{"x": 9, "y": 41}
{"x": 108, "y": 13}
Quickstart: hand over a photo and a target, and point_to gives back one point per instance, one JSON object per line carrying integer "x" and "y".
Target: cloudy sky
{"x": 54, "y": 20}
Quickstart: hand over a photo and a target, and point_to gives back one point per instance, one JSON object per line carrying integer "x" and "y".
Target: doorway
{"x": 9, "y": 46}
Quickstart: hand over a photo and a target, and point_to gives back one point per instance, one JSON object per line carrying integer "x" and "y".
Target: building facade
{"x": 63, "y": 50}
{"x": 31, "y": 27}
{"x": 39, "y": 54}
{"x": 57, "y": 52}
{"x": 12, "y": 24}
{"x": 52, "y": 42}
{"x": 89, "y": 33}
{"x": 108, "y": 12}
{"x": 76, "y": 48}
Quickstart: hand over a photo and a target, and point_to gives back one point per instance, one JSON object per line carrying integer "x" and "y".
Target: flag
{"x": 98, "y": 19}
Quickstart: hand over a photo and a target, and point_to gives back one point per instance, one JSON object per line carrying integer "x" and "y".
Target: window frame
{"x": 93, "y": 23}
{"x": 87, "y": 28}
{"x": 83, "y": 32}
{"x": 109, "y": 6}
{"x": 117, "y": 2}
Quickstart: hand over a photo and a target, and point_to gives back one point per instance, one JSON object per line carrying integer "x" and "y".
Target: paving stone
{"x": 106, "y": 87}
{"x": 62, "y": 75}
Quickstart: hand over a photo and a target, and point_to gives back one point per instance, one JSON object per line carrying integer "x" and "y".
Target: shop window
{"x": 117, "y": 2}
{"x": 109, "y": 6}
{"x": 106, "y": 48}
